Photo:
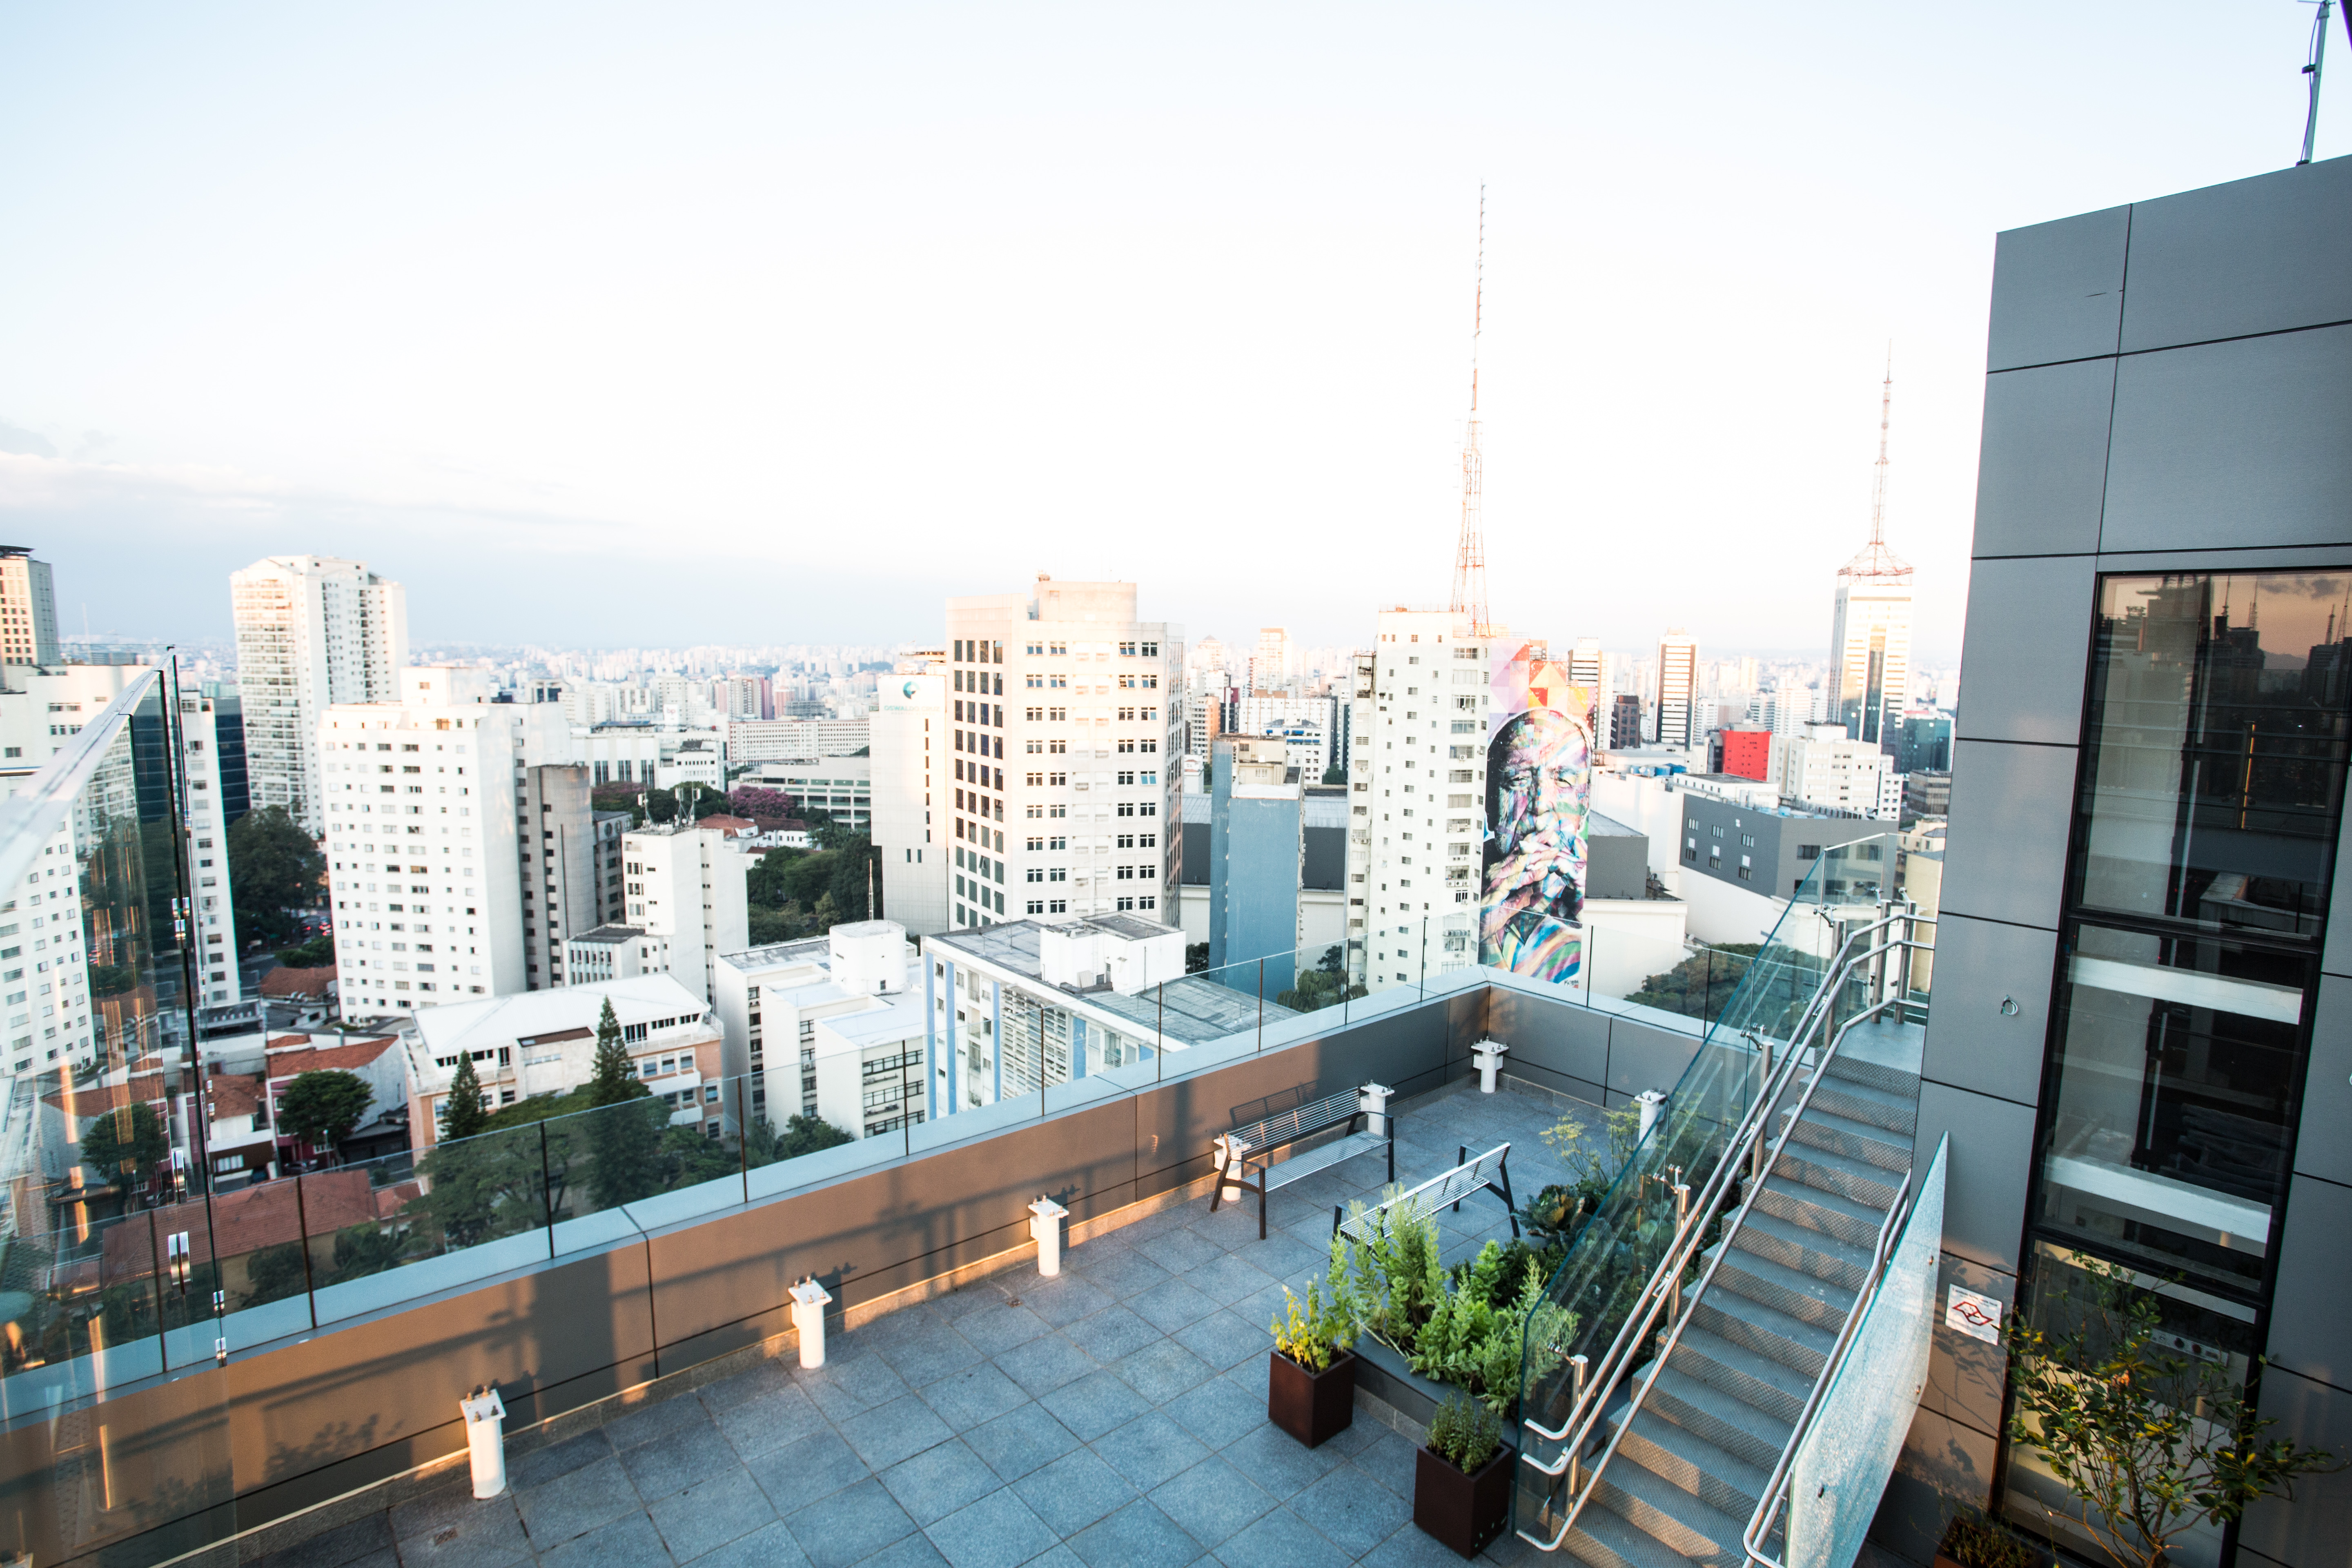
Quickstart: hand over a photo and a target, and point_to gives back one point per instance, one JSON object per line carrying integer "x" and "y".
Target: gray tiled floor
{"x": 1114, "y": 1417}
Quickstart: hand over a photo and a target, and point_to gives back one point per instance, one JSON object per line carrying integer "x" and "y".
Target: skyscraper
{"x": 312, "y": 631}
{"x": 1269, "y": 669}
{"x": 1869, "y": 633}
{"x": 1062, "y": 733}
{"x": 28, "y": 609}
{"x": 1678, "y": 722}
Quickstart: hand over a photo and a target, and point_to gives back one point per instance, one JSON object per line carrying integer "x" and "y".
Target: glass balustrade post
{"x": 743, "y": 1131}
{"x": 1261, "y": 1003}
{"x": 302, "y": 1229}
{"x": 546, "y": 1188}
{"x": 155, "y": 1272}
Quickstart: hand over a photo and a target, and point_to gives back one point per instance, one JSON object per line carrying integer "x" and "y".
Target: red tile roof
{"x": 285, "y": 1061}
{"x": 247, "y": 1220}
{"x": 304, "y": 982}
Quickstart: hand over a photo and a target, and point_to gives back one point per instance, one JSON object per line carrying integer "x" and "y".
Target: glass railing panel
{"x": 975, "y": 1121}
{"x": 602, "y": 1161}
{"x": 1842, "y": 1462}
{"x": 1316, "y": 1002}
{"x": 444, "y": 1216}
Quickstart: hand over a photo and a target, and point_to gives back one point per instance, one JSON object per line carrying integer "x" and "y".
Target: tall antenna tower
{"x": 1470, "y": 552}
{"x": 1876, "y": 561}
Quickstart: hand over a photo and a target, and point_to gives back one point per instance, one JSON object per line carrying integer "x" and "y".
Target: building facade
{"x": 28, "y": 609}
{"x": 1677, "y": 712}
{"x": 685, "y": 889}
{"x": 909, "y": 781}
{"x": 1063, "y": 744}
{"x": 311, "y": 631}
{"x": 2139, "y": 1045}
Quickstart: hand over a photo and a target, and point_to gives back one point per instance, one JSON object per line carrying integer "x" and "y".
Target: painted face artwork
{"x": 1539, "y": 785}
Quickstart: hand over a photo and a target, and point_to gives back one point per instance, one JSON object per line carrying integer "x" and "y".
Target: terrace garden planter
{"x": 1464, "y": 1511}
{"x": 1312, "y": 1406}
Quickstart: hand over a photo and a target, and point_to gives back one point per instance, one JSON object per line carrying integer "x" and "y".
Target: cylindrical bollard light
{"x": 1045, "y": 1217}
{"x": 1650, "y": 1100}
{"x": 1372, "y": 1099}
{"x": 809, "y": 1302}
{"x": 486, "y": 1424}
{"x": 1229, "y": 1159}
{"x": 1487, "y": 1056}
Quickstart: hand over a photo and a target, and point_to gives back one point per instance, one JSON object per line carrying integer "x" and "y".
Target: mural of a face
{"x": 1538, "y": 787}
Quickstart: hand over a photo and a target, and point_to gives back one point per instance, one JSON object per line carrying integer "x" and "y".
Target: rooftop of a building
{"x": 538, "y": 1015}
{"x": 609, "y": 936}
{"x": 1187, "y": 1010}
{"x": 898, "y": 1017}
{"x": 814, "y": 950}
{"x": 289, "y": 984}
{"x": 287, "y": 1061}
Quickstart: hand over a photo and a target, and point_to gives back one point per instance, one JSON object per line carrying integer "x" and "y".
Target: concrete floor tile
{"x": 543, "y": 1465}
{"x": 966, "y": 1299}
{"x": 995, "y": 1329}
{"x": 1351, "y": 1510}
{"x": 576, "y": 1503}
{"x": 1162, "y": 1370}
{"x": 912, "y": 1551}
{"x": 1224, "y": 1340}
{"x": 1279, "y": 1463}
{"x": 1111, "y": 1334}
{"x": 1121, "y": 1274}
{"x": 769, "y": 1420}
{"x": 679, "y": 1458}
{"x": 451, "y": 1502}
{"x": 939, "y": 1480}
{"x": 1279, "y": 1538}
{"x": 977, "y": 1395}
{"x": 1388, "y": 1459}
{"x": 1149, "y": 1450}
{"x": 1074, "y": 1492}
{"x": 937, "y": 1352}
{"x": 659, "y": 1419}
{"x": 1413, "y": 1547}
{"x": 1211, "y": 1501}
{"x": 1181, "y": 1250}
{"x": 710, "y": 1513}
{"x": 1136, "y": 1536}
{"x": 890, "y": 1433}
{"x": 344, "y": 1544}
{"x": 1220, "y": 1410}
{"x": 850, "y": 1526}
{"x": 1170, "y": 1305}
{"x": 1094, "y": 1404}
{"x": 1020, "y": 1440}
{"x": 630, "y": 1542}
{"x": 491, "y": 1537}
{"x": 770, "y": 1546}
{"x": 1228, "y": 1278}
{"x": 850, "y": 1384}
{"x": 1045, "y": 1364}
{"x": 766, "y": 1377}
{"x": 997, "y": 1532}
{"x": 1062, "y": 1301}
{"x": 798, "y": 1474}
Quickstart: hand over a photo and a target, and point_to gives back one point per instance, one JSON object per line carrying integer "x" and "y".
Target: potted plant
{"x": 1462, "y": 1477}
{"x": 1973, "y": 1541}
{"x": 1311, "y": 1375}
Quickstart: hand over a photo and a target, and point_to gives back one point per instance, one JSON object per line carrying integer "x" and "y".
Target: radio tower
{"x": 1470, "y": 553}
{"x": 1876, "y": 561}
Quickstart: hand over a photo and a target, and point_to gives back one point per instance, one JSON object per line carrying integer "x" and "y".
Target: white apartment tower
{"x": 911, "y": 788}
{"x": 1679, "y": 720}
{"x": 311, "y": 631}
{"x": 1416, "y": 796}
{"x": 28, "y": 609}
{"x": 1269, "y": 667}
{"x": 1062, "y": 736}
{"x": 685, "y": 893}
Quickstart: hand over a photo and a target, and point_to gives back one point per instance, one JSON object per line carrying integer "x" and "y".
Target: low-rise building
{"x": 842, "y": 787}
{"x": 544, "y": 1042}
{"x": 773, "y": 998}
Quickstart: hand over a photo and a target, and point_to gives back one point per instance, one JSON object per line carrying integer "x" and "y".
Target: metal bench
{"x": 1445, "y": 1189}
{"x": 1279, "y": 1120}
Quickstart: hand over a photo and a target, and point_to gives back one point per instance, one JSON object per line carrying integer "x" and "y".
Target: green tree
{"x": 477, "y": 1189}
{"x": 1701, "y": 985}
{"x": 273, "y": 1274}
{"x": 2153, "y": 1442}
{"x": 624, "y": 1146}
{"x": 1196, "y": 957}
{"x": 1335, "y": 774}
{"x": 804, "y": 1134}
{"x": 1323, "y": 985}
{"x": 461, "y": 1113}
{"x": 319, "y": 952}
{"x": 366, "y": 1248}
{"x": 275, "y": 868}
{"x": 322, "y": 1107}
{"x": 613, "y": 1077}
{"x": 122, "y": 1143}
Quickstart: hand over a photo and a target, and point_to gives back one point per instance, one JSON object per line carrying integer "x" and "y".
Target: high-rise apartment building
{"x": 570, "y": 860}
{"x": 910, "y": 786}
{"x": 1270, "y": 665}
{"x": 1677, "y": 710}
{"x": 28, "y": 609}
{"x": 311, "y": 631}
{"x": 1870, "y": 645}
{"x": 1416, "y": 795}
{"x": 686, "y": 891}
{"x": 1061, "y": 748}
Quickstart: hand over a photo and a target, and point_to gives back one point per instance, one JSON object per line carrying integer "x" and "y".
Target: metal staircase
{"x": 1679, "y": 1449}
{"x": 1690, "y": 1474}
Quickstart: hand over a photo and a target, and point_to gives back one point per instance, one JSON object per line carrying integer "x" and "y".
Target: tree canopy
{"x": 322, "y": 1107}
{"x": 120, "y": 1144}
{"x": 462, "y": 1116}
{"x": 614, "y": 1078}
{"x": 275, "y": 868}
{"x": 1701, "y": 985}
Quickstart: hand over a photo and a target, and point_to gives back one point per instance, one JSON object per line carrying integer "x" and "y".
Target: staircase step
{"x": 1676, "y": 1519}
{"x": 1783, "y": 1288}
{"x": 1822, "y": 1128}
{"x": 1840, "y": 1263}
{"x": 1820, "y": 1211}
{"x": 1800, "y": 1346}
{"x": 1858, "y": 1181}
{"x": 1713, "y": 1474}
{"x": 1604, "y": 1538}
{"x": 1779, "y": 1391}
{"x": 1853, "y": 1063}
{"x": 1728, "y": 1422}
{"x": 1862, "y": 1101}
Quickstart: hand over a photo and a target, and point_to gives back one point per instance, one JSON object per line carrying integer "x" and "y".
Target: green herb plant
{"x": 1311, "y": 1336}
{"x": 1466, "y": 1433}
{"x": 1974, "y": 1541}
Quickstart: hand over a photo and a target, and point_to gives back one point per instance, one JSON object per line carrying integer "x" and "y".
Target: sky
{"x": 600, "y": 325}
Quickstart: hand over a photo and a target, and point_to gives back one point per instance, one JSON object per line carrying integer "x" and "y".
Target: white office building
{"x": 1678, "y": 722}
{"x": 774, "y": 999}
{"x": 685, "y": 889}
{"x": 28, "y": 609}
{"x": 312, "y": 631}
{"x": 1870, "y": 647}
{"x": 1062, "y": 741}
{"x": 911, "y": 785}
{"x": 841, "y": 787}
{"x": 1416, "y": 795}
{"x": 1823, "y": 768}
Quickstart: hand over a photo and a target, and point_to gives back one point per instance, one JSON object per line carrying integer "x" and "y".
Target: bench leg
{"x": 1261, "y": 1202}
{"x": 1391, "y": 1135}
{"x": 1504, "y": 1171}
{"x": 1460, "y": 1153}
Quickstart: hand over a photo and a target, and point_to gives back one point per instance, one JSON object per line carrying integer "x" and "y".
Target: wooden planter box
{"x": 1464, "y": 1511}
{"x": 1312, "y": 1406}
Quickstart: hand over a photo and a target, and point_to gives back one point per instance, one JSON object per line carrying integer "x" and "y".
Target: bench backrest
{"x": 1439, "y": 1192}
{"x": 1313, "y": 1116}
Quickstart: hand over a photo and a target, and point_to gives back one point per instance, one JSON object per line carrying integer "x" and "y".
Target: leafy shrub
{"x": 1976, "y": 1542}
{"x": 1465, "y": 1433}
{"x": 1309, "y": 1337}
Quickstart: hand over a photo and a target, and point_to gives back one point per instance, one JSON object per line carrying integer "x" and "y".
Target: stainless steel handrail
{"x": 1776, "y": 1489}
{"x": 1665, "y": 1282}
{"x": 1742, "y": 1136}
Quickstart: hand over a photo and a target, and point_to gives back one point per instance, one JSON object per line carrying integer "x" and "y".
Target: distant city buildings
{"x": 312, "y": 631}
{"x": 1677, "y": 710}
{"x": 28, "y": 609}
{"x": 909, "y": 788}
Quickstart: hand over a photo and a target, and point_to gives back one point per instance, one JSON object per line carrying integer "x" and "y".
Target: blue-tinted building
{"x": 1256, "y": 855}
